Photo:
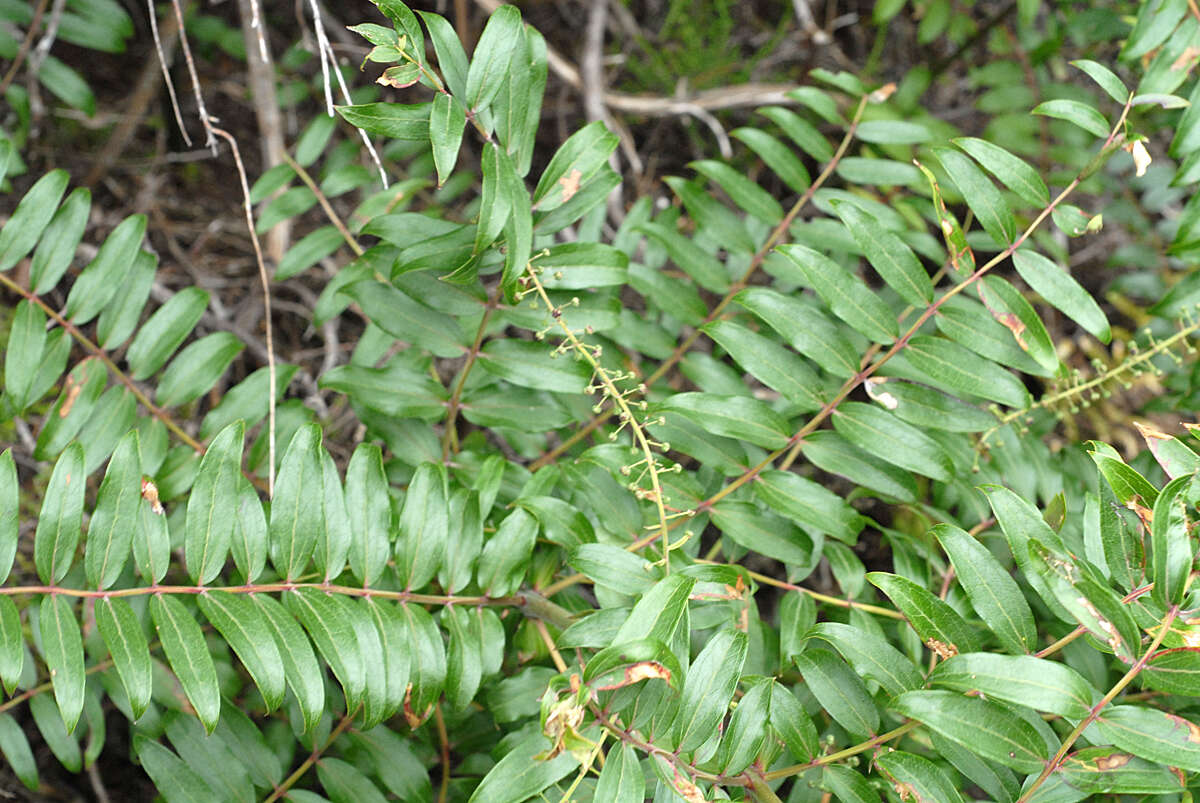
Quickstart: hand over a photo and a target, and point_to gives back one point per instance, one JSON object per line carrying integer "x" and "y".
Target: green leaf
{"x": 494, "y": 202}
{"x": 804, "y": 328}
{"x": 427, "y": 654}
{"x": 167, "y": 328}
{"x": 937, "y": 624}
{"x": 327, "y": 625}
{"x": 73, "y": 408}
{"x": 534, "y": 364}
{"x": 984, "y": 727}
{"x": 393, "y": 635}
{"x": 918, "y": 777}
{"x": 621, "y": 780}
{"x": 1175, "y": 671}
{"x": 189, "y": 657}
{"x": 446, "y": 123}
{"x": 927, "y": 408}
{"x": 1022, "y": 523}
{"x": 1171, "y": 544}
{"x": 981, "y": 195}
{"x": 197, "y": 368}
{"x": 1062, "y": 291}
{"x": 1176, "y": 458}
{"x": 105, "y": 274}
{"x": 767, "y": 534}
{"x": 344, "y": 783}
{"x": 609, "y": 565}
{"x": 119, "y": 319}
{"x": 394, "y": 120}
{"x": 67, "y": 85}
{"x": 738, "y": 417}
{"x": 300, "y": 667}
{"x": 172, "y": 777}
{"x": 60, "y": 521}
{"x": 1152, "y": 734}
{"x": 777, "y": 156}
{"x": 12, "y": 645}
{"x": 370, "y": 513}
{"x": 1012, "y": 171}
{"x": 463, "y": 660}
{"x": 800, "y": 131}
{"x": 333, "y": 541}
{"x": 312, "y": 247}
{"x": 521, "y": 774}
{"x": 769, "y": 363}
{"x": 62, "y": 649}
{"x": 578, "y": 266}
{"x": 1156, "y": 20}
{"x": 809, "y": 504}
{"x": 109, "y": 534}
{"x": 711, "y": 216}
{"x": 31, "y": 216}
{"x": 743, "y": 740}
{"x": 871, "y": 656}
{"x": 575, "y": 162}
{"x": 23, "y": 356}
{"x": 247, "y": 630}
{"x": 424, "y": 526}
{"x": 9, "y": 501}
{"x": 122, "y": 633}
{"x": 1107, "y": 770}
{"x": 1106, "y": 78}
{"x": 1008, "y": 306}
{"x": 1075, "y": 112}
{"x": 889, "y": 256}
{"x": 877, "y": 431}
{"x": 57, "y": 244}
{"x": 708, "y": 688}
{"x": 839, "y": 690}
{"x": 697, "y": 263}
{"x": 211, "y": 506}
{"x": 1127, "y": 484}
{"x": 949, "y": 365}
{"x": 846, "y": 294}
{"x": 831, "y": 452}
{"x": 490, "y": 60}
{"x": 659, "y": 612}
{"x": 405, "y": 319}
{"x": 793, "y": 724}
{"x": 248, "y": 543}
{"x": 506, "y": 555}
{"x": 16, "y": 751}
{"x": 296, "y": 512}
{"x": 994, "y": 594}
{"x": 746, "y": 194}
{"x": 1019, "y": 679}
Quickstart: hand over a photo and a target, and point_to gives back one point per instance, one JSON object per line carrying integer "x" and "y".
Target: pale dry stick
{"x": 26, "y": 43}
{"x": 210, "y": 141}
{"x": 755, "y": 263}
{"x": 266, "y": 289}
{"x": 326, "y": 207}
{"x": 162, "y": 60}
{"x": 47, "y": 41}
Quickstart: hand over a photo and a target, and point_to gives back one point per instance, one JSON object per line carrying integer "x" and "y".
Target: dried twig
{"x": 205, "y": 120}
{"x": 23, "y": 51}
{"x": 164, "y": 62}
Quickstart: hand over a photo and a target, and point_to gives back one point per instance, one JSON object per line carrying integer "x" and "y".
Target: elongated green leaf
{"x": 197, "y": 368}
{"x": 609, "y": 565}
{"x": 1172, "y": 546}
{"x": 994, "y": 594}
{"x": 1155, "y": 22}
{"x": 937, "y": 624}
{"x": 248, "y": 632}
{"x": 60, "y": 521}
{"x": 12, "y": 644}
{"x": 427, "y": 660}
{"x": 212, "y": 505}
{"x": 769, "y": 363}
{"x": 122, "y": 633}
{"x": 847, "y": 295}
{"x": 1061, "y": 291}
{"x": 981, "y": 195}
{"x": 494, "y": 203}
{"x": 809, "y": 504}
{"x": 16, "y": 751}
{"x": 300, "y": 666}
{"x": 183, "y": 643}
{"x": 506, "y": 555}
{"x": 1153, "y": 735}
{"x": 871, "y": 656}
{"x": 711, "y": 216}
{"x": 847, "y": 785}
{"x": 804, "y": 328}
{"x": 392, "y": 632}
{"x": 464, "y": 667}
{"x": 743, "y": 740}
{"x": 889, "y": 256}
{"x": 776, "y": 155}
{"x": 733, "y": 416}
{"x": 62, "y": 648}
{"x": 689, "y": 257}
{"x": 248, "y": 542}
{"x": 1075, "y": 112}
{"x": 333, "y": 634}
{"x": 1012, "y": 171}
{"x": 31, "y": 216}
{"x": 296, "y": 511}
{"x": 747, "y": 195}
{"x": 1020, "y": 679}
{"x": 621, "y": 780}
{"x": 1127, "y": 484}
{"x": 970, "y": 324}
{"x": 831, "y": 452}
{"x": 577, "y": 266}
{"x": 659, "y": 612}
{"x": 9, "y": 500}
{"x": 533, "y": 364}
{"x": 1107, "y": 770}
{"x": 333, "y": 542}
{"x": 167, "y": 328}
{"x": 927, "y": 408}
{"x": 1022, "y": 523}
{"x": 982, "y": 726}
{"x": 793, "y": 724}
{"x": 878, "y": 431}
{"x": 1105, "y": 78}
{"x": 839, "y": 690}
{"x": 918, "y": 776}
{"x": 1176, "y": 458}
{"x": 575, "y": 162}
{"x": 22, "y": 358}
{"x": 1175, "y": 671}
{"x": 709, "y": 686}
{"x": 949, "y": 365}
{"x": 369, "y": 511}
{"x": 1017, "y": 315}
{"x": 424, "y": 525}
{"x": 767, "y": 534}
{"x": 521, "y": 774}
{"x": 172, "y": 777}
{"x": 73, "y": 408}
{"x": 490, "y": 60}
{"x": 105, "y": 274}
{"x": 394, "y": 120}
{"x": 406, "y": 319}
{"x": 59, "y": 241}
